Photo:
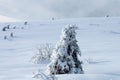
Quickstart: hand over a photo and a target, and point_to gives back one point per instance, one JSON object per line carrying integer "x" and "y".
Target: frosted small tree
{"x": 11, "y": 34}
{"x": 64, "y": 58}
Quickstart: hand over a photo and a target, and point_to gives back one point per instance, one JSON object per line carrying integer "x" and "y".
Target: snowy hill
{"x": 98, "y": 39}
{"x": 7, "y": 19}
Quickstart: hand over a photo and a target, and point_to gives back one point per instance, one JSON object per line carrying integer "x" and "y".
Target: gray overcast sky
{"x": 45, "y": 9}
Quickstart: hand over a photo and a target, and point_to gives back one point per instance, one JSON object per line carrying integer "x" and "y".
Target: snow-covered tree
{"x": 25, "y": 23}
{"x": 66, "y": 56}
{"x": 11, "y": 34}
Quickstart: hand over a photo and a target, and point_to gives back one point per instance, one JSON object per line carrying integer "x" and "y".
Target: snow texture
{"x": 98, "y": 38}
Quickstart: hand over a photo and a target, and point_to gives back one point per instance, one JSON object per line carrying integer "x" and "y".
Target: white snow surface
{"x": 98, "y": 39}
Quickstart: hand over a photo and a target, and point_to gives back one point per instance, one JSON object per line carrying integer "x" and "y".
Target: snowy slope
{"x": 7, "y": 19}
{"x": 98, "y": 38}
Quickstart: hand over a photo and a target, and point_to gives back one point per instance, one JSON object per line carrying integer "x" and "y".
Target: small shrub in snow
{"x": 92, "y": 61}
{"x": 5, "y": 37}
{"x": 53, "y": 18}
{"x": 107, "y": 15}
{"x": 22, "y": 27}
{"x": 89, "y": 60}
{"x": 44, "y": 53}
{"x": 11, "y": 34}
{"x": 4, "y": 29}
{"x": 64, "y": 58}
{"x": 8, "y": 26}
{"x": 44, "y": 76}
{"x": 14, "y": 27}
{"x": 25, "y": 23}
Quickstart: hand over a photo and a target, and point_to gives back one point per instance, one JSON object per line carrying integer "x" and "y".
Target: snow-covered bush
{"x": 11, "y": 34}
{"x": 43, "y": 76}
{"x": 64, "y": 58}
{"x": 5, "y": 37}
{"x": 43, "y": 54}
{"x": 88, "y": 60}
{"x": 25, "y": 23}
{"x": 6, "y": 28}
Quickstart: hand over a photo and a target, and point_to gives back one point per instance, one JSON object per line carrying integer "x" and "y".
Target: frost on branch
{"x": 40, "y": 75}
{"x": 64, "y": 58}
{"x": 44, "y": 53}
